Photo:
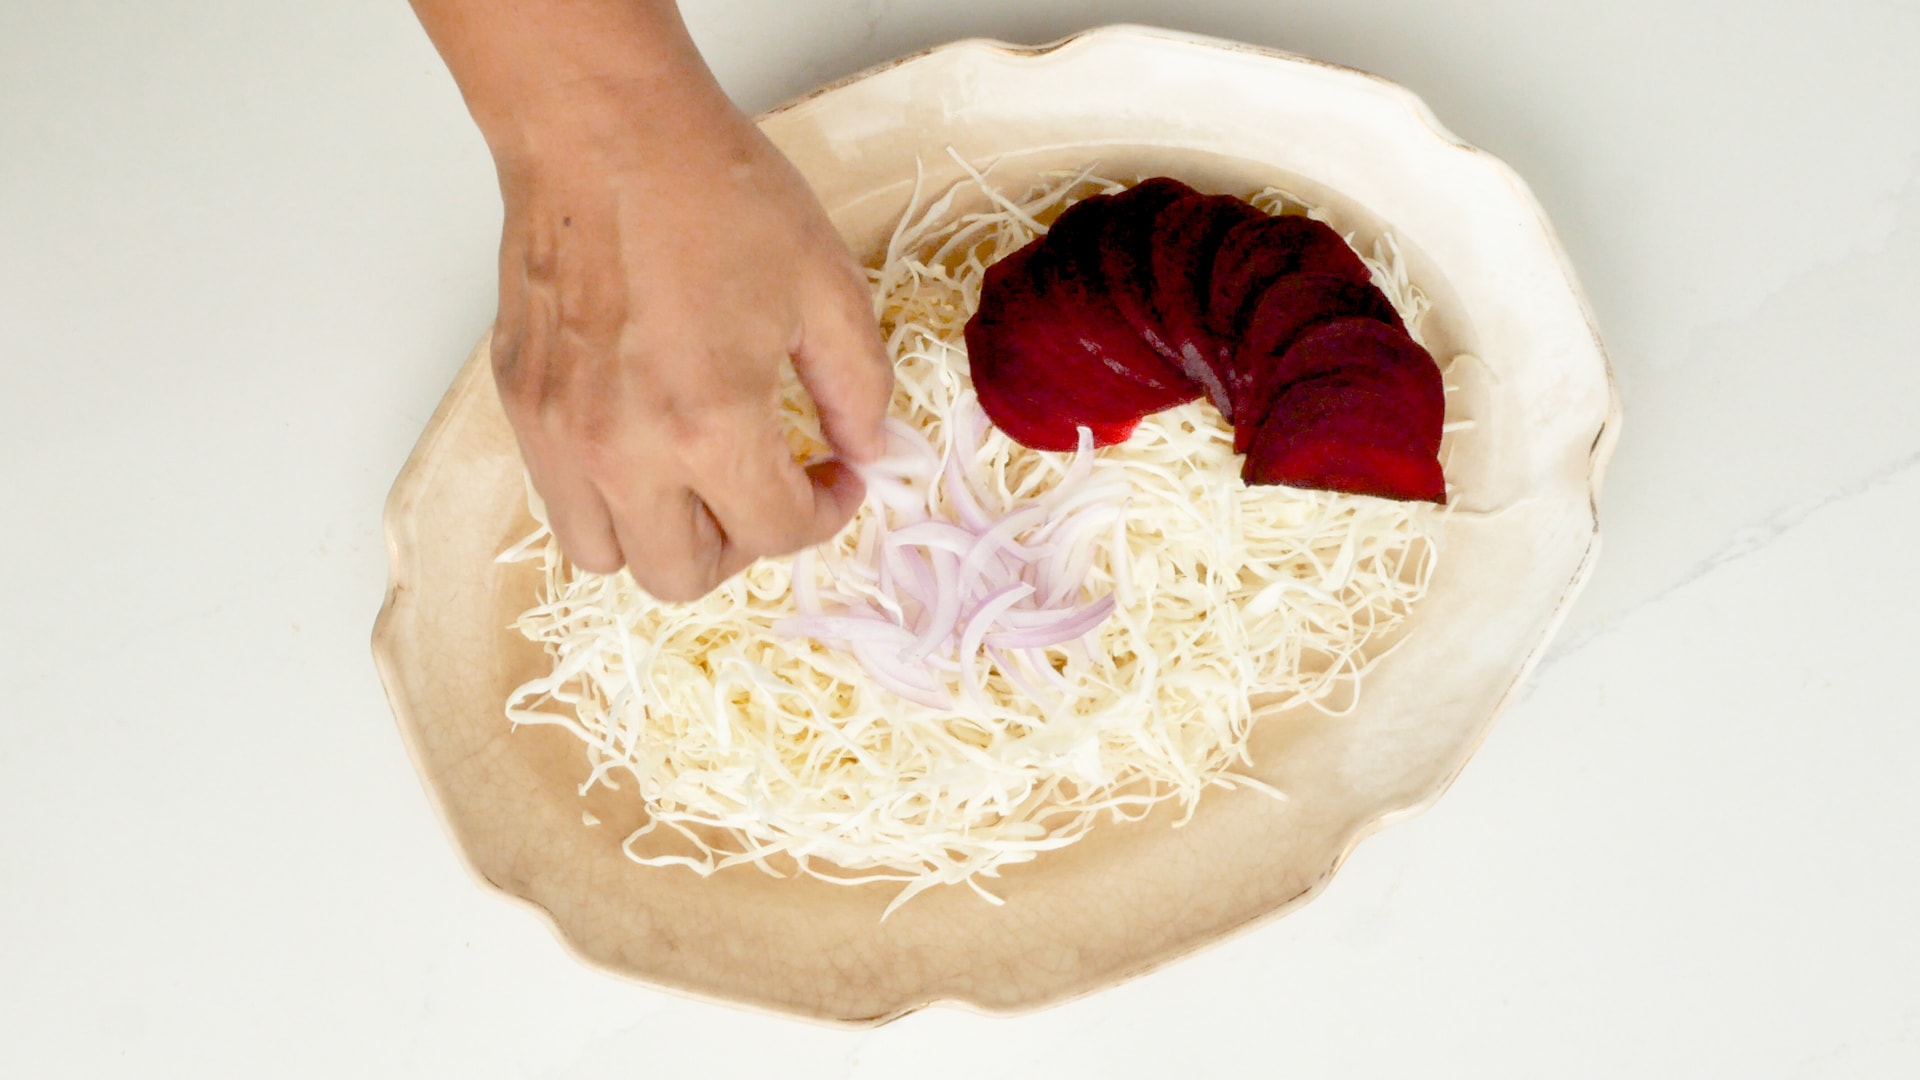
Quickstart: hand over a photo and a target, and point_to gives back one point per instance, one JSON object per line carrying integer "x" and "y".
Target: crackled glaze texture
{"x": 1129, "y": 897}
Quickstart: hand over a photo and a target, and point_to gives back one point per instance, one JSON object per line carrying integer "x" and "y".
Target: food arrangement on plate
{"x": 1117, "y": 658}
{"x": 1159, "y": 460}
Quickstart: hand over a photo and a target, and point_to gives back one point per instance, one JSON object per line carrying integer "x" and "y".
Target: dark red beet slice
{"x": 1343, "y": 434}
{"x": 1186, "y": 236}
{"x": 1255, "y": 255}
{"x": 1289, "y": 308}
{"x": 1046, "y": 360}
{"x": 1350, "y": 347}
{"x": 1358, "y": 408}
{"x": 1069, "y": 264}
{"x": 1343, "y": 465}
{"x": 1352, "y": 344}
{"x": 1126, "y": 257}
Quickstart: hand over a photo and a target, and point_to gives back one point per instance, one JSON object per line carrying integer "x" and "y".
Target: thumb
{"x": 844, "y": 366}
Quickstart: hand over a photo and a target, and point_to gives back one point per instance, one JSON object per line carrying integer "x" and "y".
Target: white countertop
{"x": 244, "y": 246}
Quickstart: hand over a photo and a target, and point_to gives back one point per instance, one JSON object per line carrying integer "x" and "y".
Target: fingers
{"x": 843, "y": 364}
{"x": 681, "y": 471}
{"x": 765, "y": 502}
{"x": 580, "y": 519}
{"x": 744, "y": 498}
{"x": 685, "y": 517}
{"x": 674, "y": 547}
{"x": 678, "y": 544}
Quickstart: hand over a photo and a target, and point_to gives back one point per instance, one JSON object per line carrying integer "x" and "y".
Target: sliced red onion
{"x": 945, "y": 614}
{"x": 976, "y": 632}
{"x": 892, "y": 493}
{"x": 924, "y": 459}
{"x": 1029, "y": 618}
{"x": 960, "y": 489}
{"x": 917, "y": 582}
{"x": 1109, "y": 496}
{"x": 969, "y": 432}
{"x": 1073, "y": 566}
{"x": 899, "y": 676}
{"x": 991, "y": 541}
{"x": 937, "y": 534}
{"x": 943, "y": 662}
{"x": 1065, "y": 626}
{"x": 1010, "y": 667}
{"x": 922, "y": 598}
{"x": 995, "y": 575}
{"x": 1078, "y": 469}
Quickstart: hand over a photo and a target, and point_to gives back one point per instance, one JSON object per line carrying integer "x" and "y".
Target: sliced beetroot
{"x": 1126, "y": 257}
{"x": 1187, "y": 234}
{"x": 1353, "y": 348}
{"x": 1302, "y": 301}
{"x": 1288, "y": 309}
{"x": 1358, "y": 408}
{"x": 1346, "y": 434}
{"x": 1046, "y": 360}
{"x": 1355, "y": 345}
{"x": 1340, "y": 463}
{"x": 1344, "y": 346}
{"x": 1068, "y": 262}
{"x": 1256, "y": 254}
{"x": 1136, "y": 302}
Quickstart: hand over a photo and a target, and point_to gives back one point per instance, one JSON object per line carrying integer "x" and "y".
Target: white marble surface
{"x": 243, "y": 246}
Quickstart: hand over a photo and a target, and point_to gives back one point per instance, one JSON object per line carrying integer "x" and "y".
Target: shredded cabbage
{"x": 753, "y": 744}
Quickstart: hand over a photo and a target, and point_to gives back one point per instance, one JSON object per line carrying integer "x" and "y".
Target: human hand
{"x": 658, "y": 264}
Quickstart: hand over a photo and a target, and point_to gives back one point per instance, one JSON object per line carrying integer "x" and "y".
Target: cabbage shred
{"x": 752, "y": 745}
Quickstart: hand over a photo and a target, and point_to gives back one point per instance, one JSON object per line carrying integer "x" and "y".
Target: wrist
{"x": 545, "y": 79}
{"x": 610, "y": 117}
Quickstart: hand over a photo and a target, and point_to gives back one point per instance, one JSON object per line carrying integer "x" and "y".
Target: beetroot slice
{"x": 1359, "y": 411}
{"x": 1347, "y": 433}
{"x": 1255, "y": 255}
{"x": 1068, "y": 264}
{"x": 1126, "y": 257}
{"x": 1342, "y": 434}
{"x": 1354, "y": 346}
{"x": 1348, "y": 346}
{"x": 1338, "y": 463}
{"x": 1045, "y": 361}
{"x": 1186, "y": 235}
{"x": 1292, "y": 306}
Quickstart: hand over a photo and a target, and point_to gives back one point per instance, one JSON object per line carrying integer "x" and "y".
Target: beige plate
{"x": 1128, "y": 898}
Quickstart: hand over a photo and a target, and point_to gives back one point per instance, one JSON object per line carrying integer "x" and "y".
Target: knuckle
{"x": 594, "y": 558}
{"x": 781, "y": 535}
{"x": 539, "y": 253}
{"x": 518, "y": 381}
{"x": 683, "y": 586}
{"x": 786, "y": 526}
{"x": 590, "y": 306}
{"x": 594, "y": 433}
{"x": 503, "y": 353}
{"x": 521, "y": 356}
{"x": 593, "y": 561}
{"x": 705, "y": 425}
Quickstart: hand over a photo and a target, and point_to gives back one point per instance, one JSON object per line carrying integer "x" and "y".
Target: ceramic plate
{"x": 1129, "y": 897}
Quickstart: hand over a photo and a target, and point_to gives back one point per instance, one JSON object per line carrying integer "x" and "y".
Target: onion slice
{"x": 928, "y": 597}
